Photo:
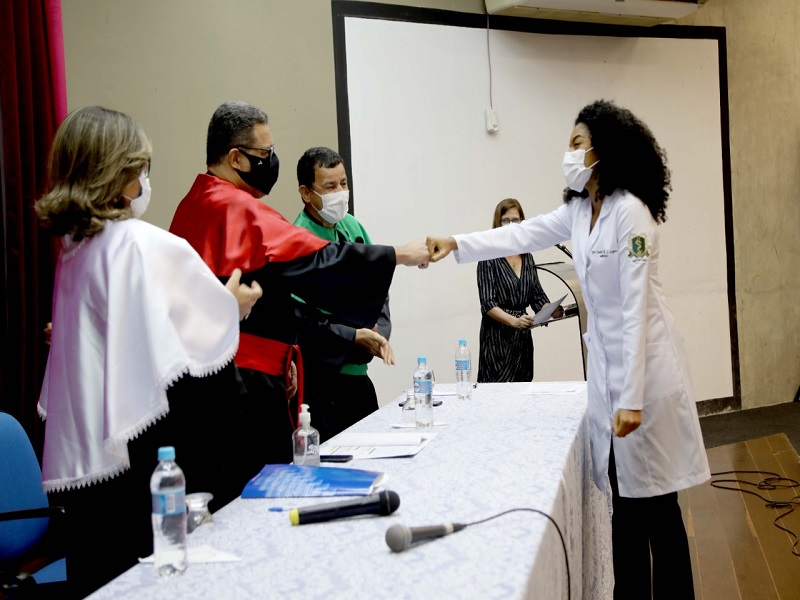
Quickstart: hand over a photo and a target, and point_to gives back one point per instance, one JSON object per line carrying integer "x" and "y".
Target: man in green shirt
{"x": 335, "y": 354}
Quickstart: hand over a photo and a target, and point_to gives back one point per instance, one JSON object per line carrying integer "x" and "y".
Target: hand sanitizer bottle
{"x": 305, "y": 441}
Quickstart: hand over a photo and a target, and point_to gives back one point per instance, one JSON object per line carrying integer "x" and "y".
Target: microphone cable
{"x": 773, "y": 482}
{"x": 544, "y": 514}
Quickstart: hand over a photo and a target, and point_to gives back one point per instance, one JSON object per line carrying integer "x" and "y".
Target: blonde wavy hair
{"x": 95, "y": 154}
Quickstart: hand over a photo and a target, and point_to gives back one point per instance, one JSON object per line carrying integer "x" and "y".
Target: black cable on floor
{"x": 773, "y": 482}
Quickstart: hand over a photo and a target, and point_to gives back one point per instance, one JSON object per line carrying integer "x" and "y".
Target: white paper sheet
{"x": 547, "y": 311}
{"x": 202, "y": 554}
{"x": 556, "y": 387}
{"x": 394, "y": 444}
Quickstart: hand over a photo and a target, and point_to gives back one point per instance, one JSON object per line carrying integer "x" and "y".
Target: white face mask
{"x": 139, "y": 204}
{"x": 576, "y": 173}
{"x": 334, "y": 205}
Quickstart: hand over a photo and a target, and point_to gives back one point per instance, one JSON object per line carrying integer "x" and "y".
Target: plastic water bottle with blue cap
{"x": 463, "y": 371}
{"x": 168, "y": 492}
{"x": 423, "y": 394}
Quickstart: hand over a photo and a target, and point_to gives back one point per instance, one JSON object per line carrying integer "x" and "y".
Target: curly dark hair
{"x": 630, "y": 157}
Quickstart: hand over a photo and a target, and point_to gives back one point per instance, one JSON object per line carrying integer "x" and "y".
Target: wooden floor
{"x": 737, "y": 552}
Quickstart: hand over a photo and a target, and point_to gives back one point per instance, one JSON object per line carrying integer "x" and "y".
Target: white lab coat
{"x": 636, "y": 355}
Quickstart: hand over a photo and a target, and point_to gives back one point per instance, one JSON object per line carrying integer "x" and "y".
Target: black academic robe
{"x": 229, "y": 229}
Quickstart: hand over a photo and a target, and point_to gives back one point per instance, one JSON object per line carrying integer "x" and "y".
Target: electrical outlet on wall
{"x": 492, "y": 124}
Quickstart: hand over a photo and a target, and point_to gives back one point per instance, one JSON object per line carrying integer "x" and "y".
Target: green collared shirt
{"x": 346, "y": 230}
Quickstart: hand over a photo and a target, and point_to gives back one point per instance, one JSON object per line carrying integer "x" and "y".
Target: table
{"x": 508, "y": 447}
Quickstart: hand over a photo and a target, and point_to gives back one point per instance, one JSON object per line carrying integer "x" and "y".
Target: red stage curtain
{"x": 32, "y": 104}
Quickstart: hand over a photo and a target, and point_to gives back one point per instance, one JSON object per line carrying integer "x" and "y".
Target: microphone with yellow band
{"x": 383, "y": 503}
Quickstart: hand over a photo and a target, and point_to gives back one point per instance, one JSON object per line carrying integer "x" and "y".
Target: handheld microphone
{"x": 563, "y": 248}
{"x": 399, "y": 537}
{"x": 383, "y": 503}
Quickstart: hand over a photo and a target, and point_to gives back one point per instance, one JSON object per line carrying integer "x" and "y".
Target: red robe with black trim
{"x": 229, "y": 228}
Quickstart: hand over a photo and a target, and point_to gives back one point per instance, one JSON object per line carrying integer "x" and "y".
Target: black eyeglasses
{"x": 505, "y": 221}
{"x": 270, "y": 150}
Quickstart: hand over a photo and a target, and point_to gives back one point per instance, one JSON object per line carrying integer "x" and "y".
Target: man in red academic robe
{"x": 222, "y": 218}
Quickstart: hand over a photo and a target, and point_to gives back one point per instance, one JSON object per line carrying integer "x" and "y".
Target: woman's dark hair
{"x": 630, "y": 157}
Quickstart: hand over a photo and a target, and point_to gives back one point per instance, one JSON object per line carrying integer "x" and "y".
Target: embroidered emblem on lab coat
{"x": 638, "y": 246}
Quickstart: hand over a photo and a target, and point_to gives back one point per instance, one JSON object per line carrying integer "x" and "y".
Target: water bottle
{"x": 168, "y": 491}
{"x": 423, "y": 394}
{"x": 463, "y": 371}
{"x": 305, "y": 441}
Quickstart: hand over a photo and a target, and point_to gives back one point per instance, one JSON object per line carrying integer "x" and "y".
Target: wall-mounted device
{"x": 618, "y": 12}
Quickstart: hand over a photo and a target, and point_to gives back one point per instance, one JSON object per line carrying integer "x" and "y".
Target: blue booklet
{"x": 294, "y": 481}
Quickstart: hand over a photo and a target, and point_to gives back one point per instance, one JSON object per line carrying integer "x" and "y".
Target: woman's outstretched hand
{"x": 439, "y": 247}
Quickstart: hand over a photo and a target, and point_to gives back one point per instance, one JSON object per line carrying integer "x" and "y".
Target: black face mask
{"x": 263, "y": 172}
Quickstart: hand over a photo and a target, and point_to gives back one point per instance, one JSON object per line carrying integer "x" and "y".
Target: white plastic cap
{"x": 305, "y": 415}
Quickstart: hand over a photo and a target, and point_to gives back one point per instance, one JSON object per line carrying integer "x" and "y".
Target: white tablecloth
{"x": 505, "y": 448}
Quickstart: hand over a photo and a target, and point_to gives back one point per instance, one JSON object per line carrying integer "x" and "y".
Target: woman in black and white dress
{"x": 507, "y": 286}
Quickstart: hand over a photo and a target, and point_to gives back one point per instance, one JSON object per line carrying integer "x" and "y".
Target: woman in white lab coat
{"x": 645, "y": 434}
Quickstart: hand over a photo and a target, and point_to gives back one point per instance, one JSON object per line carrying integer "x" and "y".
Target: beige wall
{"x": 170, "y": 63}
{"x": 763, "y": 94}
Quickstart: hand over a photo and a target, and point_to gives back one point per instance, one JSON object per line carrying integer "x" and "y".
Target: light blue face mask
{"x": 576, "y": 173}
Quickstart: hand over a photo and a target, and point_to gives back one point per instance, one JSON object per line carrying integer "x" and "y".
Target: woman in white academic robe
{"x": 645, "y": 433}
{"x": 143, "y": 340}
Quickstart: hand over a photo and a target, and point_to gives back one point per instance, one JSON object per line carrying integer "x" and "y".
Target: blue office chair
{"x": 32, "y": 558}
